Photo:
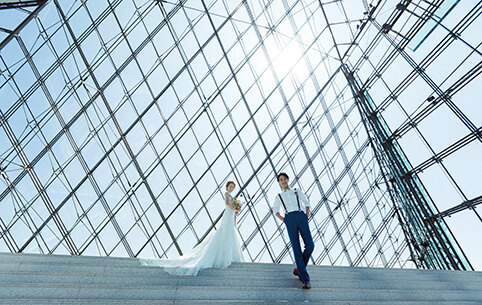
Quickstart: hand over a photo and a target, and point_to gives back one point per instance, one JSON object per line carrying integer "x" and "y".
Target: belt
{"x": 294, "y": 212}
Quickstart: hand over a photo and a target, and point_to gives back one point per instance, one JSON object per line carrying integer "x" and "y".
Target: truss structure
{"x": 122, "y": 120}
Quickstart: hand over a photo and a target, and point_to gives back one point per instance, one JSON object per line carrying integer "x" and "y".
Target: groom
{"x": 296, "y": 221}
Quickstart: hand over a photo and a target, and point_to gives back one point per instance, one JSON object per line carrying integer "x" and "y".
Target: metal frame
{"x": 142, "y": 135}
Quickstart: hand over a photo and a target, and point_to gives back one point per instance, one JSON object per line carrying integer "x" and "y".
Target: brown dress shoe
{"x": 306, "y": 285}
{"x": 296, "y": 273}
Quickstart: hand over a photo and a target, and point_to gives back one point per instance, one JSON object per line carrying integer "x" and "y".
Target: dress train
{"x": 218, "y": 250}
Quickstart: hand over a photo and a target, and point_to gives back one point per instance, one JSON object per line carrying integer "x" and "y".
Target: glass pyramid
{"x": 122, "y": 120}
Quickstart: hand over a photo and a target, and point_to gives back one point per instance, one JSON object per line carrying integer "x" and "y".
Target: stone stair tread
{"x": 233, "y": 289}
{"x": 134, "y": 262}
{"x": 106, "y": 278}
{"x": 51, "y": 279}
{"x": 214, "y": 302}
{"x": 260, "y": 268}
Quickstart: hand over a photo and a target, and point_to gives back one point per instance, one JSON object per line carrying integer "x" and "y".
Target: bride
{"x": 218, "y": 250}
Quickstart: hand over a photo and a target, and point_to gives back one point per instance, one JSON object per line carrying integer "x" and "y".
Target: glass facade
{"x": 122, "y": 121}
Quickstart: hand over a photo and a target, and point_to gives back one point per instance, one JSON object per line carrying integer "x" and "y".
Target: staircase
{"x": 56, "y": 279}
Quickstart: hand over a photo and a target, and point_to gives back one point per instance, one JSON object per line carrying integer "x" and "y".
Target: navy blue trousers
{"x": 297, "y": 224}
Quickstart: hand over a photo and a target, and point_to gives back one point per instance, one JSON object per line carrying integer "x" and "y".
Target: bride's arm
{"x": 226, "y": 200}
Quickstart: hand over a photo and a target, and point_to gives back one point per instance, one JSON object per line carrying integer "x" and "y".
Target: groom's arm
{"x": 280, "y": 217}
{"x": 276, "y": 207}
{"x": 306, "y": 202}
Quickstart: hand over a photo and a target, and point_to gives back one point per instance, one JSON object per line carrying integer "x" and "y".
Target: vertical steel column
{"x": 431, "y": 240}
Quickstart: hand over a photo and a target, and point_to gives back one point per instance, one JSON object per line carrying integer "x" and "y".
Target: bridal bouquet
{"x": 236, "y": 203}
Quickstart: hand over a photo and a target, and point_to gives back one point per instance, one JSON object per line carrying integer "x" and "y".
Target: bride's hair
{"x": 230, "y": 182}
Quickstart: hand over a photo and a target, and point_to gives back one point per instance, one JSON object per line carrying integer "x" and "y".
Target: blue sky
{"x": 195, "y": 130}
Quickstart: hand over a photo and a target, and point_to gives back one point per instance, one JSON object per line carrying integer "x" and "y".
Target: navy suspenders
{"x": 297, "y": 199}
{"x": 280, "y": 198}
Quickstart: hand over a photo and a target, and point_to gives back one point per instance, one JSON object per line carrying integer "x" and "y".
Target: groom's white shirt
{"x": 289, "y": 199}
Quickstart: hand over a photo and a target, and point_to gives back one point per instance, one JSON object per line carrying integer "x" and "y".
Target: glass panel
{"x": 132, "y": 125}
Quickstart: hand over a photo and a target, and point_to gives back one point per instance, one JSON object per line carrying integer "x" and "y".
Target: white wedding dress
{"x": 218, "y": 250}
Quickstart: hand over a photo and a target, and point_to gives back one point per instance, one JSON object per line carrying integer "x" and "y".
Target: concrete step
{"x": 129, "y": 292}
{"x": 42, "y": 279}
{"x": 226, "y": 281}
{"x": 104, "y": 262}
{"x": 33, "y": 262}
{"x": 322, "y": 274}
{"x": 135, "y": 266}
{"x": 94, "y": 260}
{"x": 192, "y": 302}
